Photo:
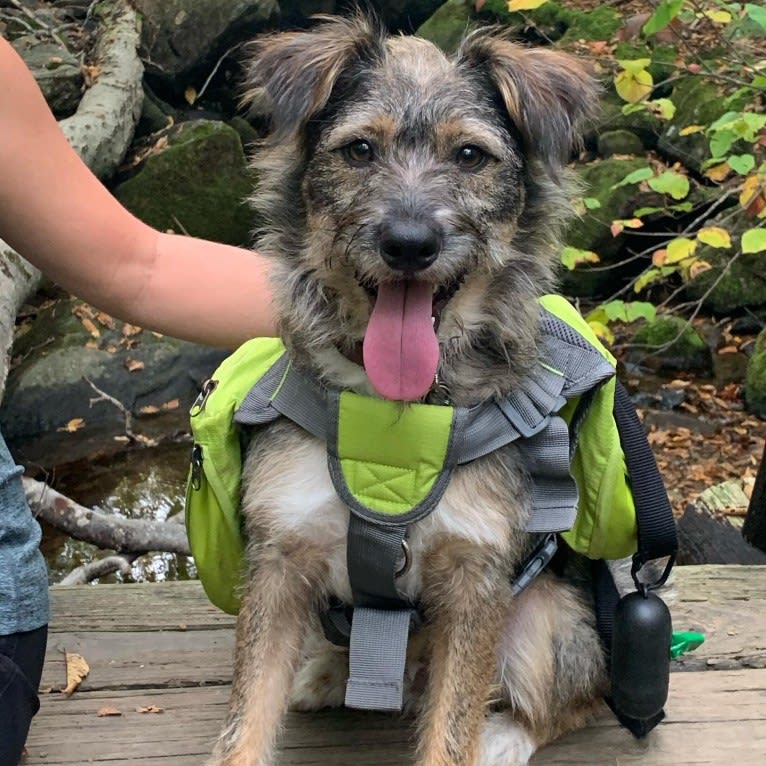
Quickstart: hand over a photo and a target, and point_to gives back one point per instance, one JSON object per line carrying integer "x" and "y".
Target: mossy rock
{"x": 558, "y": 22}
{"x": 448, "y": 24}
{"x": 644, "y": 124}
{"x": 755, "y": 379}
{"x": 671, "y": 343}
{"x": 199, "y": 184}
{"x": 619, "y": 142}
{"x": 728, "y": 287}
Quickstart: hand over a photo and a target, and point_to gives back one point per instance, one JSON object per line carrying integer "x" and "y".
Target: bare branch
{"x": 101, "y": 529}
{"x": 98, "y": 568}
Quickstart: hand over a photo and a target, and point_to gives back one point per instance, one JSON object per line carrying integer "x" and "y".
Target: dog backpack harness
{"x": 391, "y": 464}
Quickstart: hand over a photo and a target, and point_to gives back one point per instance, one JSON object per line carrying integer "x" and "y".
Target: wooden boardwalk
{"x": 163, "y": 645}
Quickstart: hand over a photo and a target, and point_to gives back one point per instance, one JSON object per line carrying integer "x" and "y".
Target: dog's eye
{"x": 470, "y": 157}
{"x": 359, "y": 152}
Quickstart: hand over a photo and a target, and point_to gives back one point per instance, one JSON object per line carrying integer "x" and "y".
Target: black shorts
{"x": 21, "y": 665}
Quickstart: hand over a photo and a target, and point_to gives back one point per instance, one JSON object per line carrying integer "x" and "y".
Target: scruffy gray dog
{"x": 413, "y": 203}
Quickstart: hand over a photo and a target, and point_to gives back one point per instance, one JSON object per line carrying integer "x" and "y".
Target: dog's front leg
{"x": 283, "y": 589}
{"x": 466, "y": 596}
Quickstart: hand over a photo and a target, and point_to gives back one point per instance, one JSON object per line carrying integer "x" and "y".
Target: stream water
{"x": 141, "y": 484}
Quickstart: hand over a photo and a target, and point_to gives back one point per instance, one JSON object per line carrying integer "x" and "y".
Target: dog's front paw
{"x": 505, "y": 742}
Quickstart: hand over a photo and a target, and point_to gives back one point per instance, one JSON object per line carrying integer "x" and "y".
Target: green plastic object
{"x": 683, "y": 641}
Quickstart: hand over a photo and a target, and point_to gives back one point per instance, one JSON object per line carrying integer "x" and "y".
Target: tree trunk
{"x": 100, "y": 131}
{"x": 754, "y": 530}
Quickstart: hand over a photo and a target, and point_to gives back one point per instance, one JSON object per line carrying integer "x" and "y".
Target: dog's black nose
{"x": 409, "y": 245}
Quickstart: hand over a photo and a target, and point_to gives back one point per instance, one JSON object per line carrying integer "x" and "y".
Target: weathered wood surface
{"x": 164, "y": 645}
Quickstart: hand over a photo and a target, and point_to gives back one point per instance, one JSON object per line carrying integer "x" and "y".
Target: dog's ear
{"x": 292, "y": 74}
{"x": 546, "y": 93}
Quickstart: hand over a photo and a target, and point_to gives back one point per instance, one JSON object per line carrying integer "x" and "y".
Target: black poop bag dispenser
{"x": 640, "y": 655}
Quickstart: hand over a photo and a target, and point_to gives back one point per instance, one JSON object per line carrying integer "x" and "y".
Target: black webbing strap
{"x": 654, "y": 516}
{"x": 656, "y": 533}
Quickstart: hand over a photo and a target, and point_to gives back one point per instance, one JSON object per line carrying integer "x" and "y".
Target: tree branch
{"x": 98, "y": 568}
{"x": 101, "y": 529}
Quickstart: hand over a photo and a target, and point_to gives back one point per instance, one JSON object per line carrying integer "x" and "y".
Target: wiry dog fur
{"x": 492, "y": 677}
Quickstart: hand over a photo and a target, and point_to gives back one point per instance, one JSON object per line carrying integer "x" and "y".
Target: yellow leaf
{"x": 714, "y": 236}
{"x": 633, "y": 86}
{"x": 720, "y": 17}
{"x": 525, "y": 5}
{"x": 750, "y": 189}
{"x": 718, "y": 172}
{"x": 689, "y": 129}
{"x": 679, "y": 249}
{"x": 75, "y": 424}
{"x": 602, "y": 331}
{"x": 190, "y": 94}
{"x": 76, "y": 670}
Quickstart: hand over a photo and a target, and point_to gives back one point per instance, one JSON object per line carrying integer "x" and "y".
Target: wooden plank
{"x": 183, "y": 605}
{"x": 168, "y": 635}
{"x": 713, "y": 719}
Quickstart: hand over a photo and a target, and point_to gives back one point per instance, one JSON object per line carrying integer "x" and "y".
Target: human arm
{"x": 58, "y": 215}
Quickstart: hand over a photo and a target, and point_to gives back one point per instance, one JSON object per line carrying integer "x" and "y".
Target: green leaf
{"x": 721, "y": 142}
{"x": 572, "y": 257}
{"x": 682, "y": 207}
{"x": 754, "y": 241}
{"x": 672, "y": 183}
{"x": 724, "y": 121}
{"x": 635, "y": 177}
{"x": 741, "y": 163}
{"x": 642, "y": 211}
{"x": 633, "y": 108}
{"x": 649, "y": 276}
{"x": 757, "y": 13}
{"x": 665, "y": 13}
{"x": 591, "y": 203}
{"x": 664, "y": 106}
{"x": 622, "y": 311}
{"x": 634, "y": 65}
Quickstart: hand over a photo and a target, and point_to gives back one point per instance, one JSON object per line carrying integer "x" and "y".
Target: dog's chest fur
{"x": 288, "y": 496}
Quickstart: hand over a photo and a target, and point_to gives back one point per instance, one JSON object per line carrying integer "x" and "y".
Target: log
{"x": 754, "y": 529}
{"x": 101, "y": 529}
{"x": 706, "y": 538}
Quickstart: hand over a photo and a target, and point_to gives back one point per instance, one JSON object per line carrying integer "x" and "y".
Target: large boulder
{"x": 197, "y": 184}
{"x": 48, "y": 397}
{"x": 182, "y": 35}
{"x": 755, "y": 380}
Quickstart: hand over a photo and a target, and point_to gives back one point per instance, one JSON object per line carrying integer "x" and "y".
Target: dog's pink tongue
{"x": 401, "y": 351}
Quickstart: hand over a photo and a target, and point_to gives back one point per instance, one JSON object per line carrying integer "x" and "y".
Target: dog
{"x": 412, "y": 195}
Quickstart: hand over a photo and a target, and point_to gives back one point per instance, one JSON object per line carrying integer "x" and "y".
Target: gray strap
{"x": 377, "y": 656}
{"x": 374, "y": 556}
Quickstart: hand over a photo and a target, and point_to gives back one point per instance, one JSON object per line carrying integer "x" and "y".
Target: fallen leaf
{"x": 130, "y": 329}
{"x": 75, "y": 424}
{"x": 90, "y": 326}
{"x": 106, "y": 320}
{"x": 173, "y": 404}
{"x": 150, "y": 709}
{"x": 77, "y": 669}
{"x": 107, "y": 711}
{"x": 149, "y": 409}
{"x": 133, "y": 365}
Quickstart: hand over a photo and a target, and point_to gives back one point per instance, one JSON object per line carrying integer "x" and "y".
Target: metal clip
{"x": 196, "y": 467}
{"x": 207, "y": 388}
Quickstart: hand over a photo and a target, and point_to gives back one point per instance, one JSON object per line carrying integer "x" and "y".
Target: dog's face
{"x": 414, "y": 200}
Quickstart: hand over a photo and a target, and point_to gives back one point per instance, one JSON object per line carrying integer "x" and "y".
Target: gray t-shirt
{"x": 23, "y": 576}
